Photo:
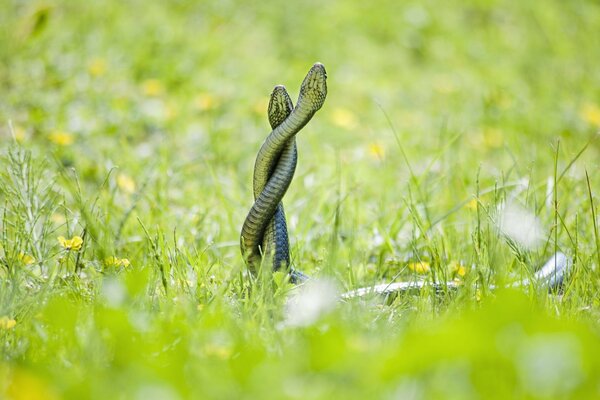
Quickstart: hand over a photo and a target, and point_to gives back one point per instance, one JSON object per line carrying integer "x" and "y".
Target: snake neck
{"x": 272, "y": 148}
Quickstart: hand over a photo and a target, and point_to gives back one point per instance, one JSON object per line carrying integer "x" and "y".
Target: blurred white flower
{"x": 311, "y": 301}
{"x": 377, "y": 240}
{"x": 310, "y": 181}
{"x": 156, "y": 391}
{"x": 520, "y": 225}
{"x": 113, "y": 292}
{"x": 550, "y": 365}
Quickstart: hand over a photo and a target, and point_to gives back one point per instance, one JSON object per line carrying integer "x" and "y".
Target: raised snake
{"x": 264, "y": 232}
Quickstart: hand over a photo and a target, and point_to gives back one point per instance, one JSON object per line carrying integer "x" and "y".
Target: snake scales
{"x": 264, "y": 232}
{"x": 264, "y": 239}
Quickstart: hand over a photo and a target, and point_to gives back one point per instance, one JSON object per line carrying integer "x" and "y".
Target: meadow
{"x": 459, "y": 142}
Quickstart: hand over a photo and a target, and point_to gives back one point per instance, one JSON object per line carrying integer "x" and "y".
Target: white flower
{"x": 113, "y": 292}
{"x": 520, "y": 225}
{"x": 550, "y": 365}
{"x": 310, "y": 302}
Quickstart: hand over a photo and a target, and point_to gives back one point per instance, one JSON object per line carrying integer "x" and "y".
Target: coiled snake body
{"x": 264, "y": 232}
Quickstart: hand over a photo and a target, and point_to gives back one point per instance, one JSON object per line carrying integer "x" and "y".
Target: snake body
{"x": 265, "y": 228}
{"x": 275, "y": 244}
{"x": 551, "y": 275}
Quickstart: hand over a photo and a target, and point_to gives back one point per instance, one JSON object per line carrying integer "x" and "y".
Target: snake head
{"x": 314, "y": 87}
{"x": 280, "y": 106}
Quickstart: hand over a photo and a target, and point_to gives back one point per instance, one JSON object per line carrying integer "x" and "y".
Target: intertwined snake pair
{"x": 264, "y": 239}
{"x": 264, "y": 233}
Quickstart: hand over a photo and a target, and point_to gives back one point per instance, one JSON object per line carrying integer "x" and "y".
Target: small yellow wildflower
{"x": 26, "y": 258}
{"x": 260, "y": 107}
{"x": 111, "y": 261}
{"x": 97, "y": 67}
{"x": 344, "y": 118}
{"x": 171, "y": 111}
{"x": 420, "y": 267}
{"x": 152, "y": 87}
{"x": 71, "y": 244}
{"x": 591, "y": 114}
{"x": 472, "y": 204}
{"x": 116, "y": 262}
{"x": 457, "y": 268}
{"x": 220, "y": 351}
{"x": 377, "y": 151}
{"x": 19, "y": 133}
{"x": 61, "y": 138}
{"x": 493, "y": 138}
{"x": 23, "y": 384}
{"x": 58, "y": 219}
{"x": 205, "y": 102}
{"x": 125, "y": 183}
{"x": 7, "y": 323}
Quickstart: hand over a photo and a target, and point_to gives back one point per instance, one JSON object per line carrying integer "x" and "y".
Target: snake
{"x": 264, "y": 232}
{"x": 275, "y": 243}
{"x": 551, "y": 276}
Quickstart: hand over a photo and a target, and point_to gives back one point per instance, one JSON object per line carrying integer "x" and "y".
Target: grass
{"x": 135, "y": 125}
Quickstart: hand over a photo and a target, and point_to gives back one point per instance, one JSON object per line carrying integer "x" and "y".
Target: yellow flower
{"x": 220, "y": 351}
{"x": 457, "y": 268}
{"x": 71, "y": 244}
{"x": 58, "y": 219}
{"x": 377, "y": 151}
{"x": 116, "y": 262}
{"x": 7, "y": 323}
{"x": 420, "y": 267}
{"x": 19, "y": 133}
{"x": 205, "y": 102}
{"x": 344, "y": 118}
{"x": 125, "y": 183}
{"x": 61, "y": 138}
{"x": 472, "y": 204}
{"x": 591, "y": 114}
{"x": 261, "y": 106}
{"x": 493, "y": 138}
{"x": 171, "y": 111}
{"x": 152, "y": 87}
{"x": 26, "y": 258}
{"x": 97, "y": 67}
{"x": 22, "y": 385}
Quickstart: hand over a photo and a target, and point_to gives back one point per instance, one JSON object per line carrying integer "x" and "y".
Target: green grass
{"x": 134, "y": 125}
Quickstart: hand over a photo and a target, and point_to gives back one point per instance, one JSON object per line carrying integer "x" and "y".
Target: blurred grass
{"x": 134, "y": 126}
